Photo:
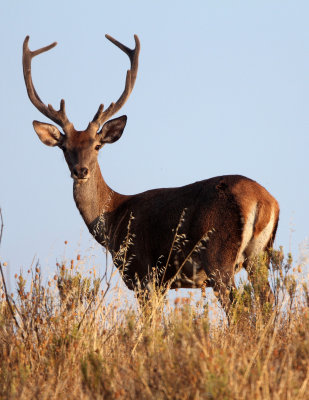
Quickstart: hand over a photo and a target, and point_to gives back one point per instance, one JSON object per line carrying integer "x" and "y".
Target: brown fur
{"x": 217, "y": 204}
{"x": 218, "y": 210}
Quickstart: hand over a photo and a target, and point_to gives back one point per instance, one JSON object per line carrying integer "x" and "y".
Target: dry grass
{"x": 69, "y": 339}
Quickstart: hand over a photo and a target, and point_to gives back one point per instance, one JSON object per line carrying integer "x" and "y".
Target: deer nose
{"x": 81, "y": 173}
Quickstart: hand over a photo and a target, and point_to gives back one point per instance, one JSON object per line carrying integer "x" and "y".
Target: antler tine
{"x": 101, "y": 116}
{"x": 59, "y": 117}
{"x": 131, "y": 53}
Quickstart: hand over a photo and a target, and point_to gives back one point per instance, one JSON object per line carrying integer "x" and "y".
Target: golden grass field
{"x": 76, "y": 337}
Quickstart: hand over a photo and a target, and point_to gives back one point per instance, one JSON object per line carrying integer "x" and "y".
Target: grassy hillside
{"x": 74, "y": 338}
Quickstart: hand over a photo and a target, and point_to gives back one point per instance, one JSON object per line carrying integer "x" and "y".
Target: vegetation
{"x": 76, "y": 338}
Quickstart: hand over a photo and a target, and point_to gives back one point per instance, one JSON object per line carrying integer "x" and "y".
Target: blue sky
{"x": 222, "y": 88}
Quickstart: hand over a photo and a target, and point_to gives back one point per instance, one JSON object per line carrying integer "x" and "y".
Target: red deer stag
{"x": 193, "y": 236}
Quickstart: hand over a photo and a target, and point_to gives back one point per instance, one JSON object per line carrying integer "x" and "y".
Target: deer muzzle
{"x": 80, "y": 173}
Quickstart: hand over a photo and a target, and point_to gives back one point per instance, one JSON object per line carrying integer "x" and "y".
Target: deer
{"x": 195, "y": 236}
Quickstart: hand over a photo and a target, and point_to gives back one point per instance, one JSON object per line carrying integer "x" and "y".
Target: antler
{"x": 102, "y": 116}
{"x": 59, "y": 117}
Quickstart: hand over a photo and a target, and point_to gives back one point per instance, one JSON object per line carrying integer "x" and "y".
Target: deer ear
{"x": 48, "y": 134}
{"x": 112, "y": 129}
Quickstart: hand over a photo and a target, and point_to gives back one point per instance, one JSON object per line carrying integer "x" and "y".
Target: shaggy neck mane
{"x": 95, "y": 199}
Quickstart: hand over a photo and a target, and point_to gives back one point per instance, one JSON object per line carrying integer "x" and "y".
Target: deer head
{"x": 80, "y": 148}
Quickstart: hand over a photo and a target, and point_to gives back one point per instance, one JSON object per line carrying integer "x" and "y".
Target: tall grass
{"x": 75, "y": 337}
{"x": 69, "y": 339}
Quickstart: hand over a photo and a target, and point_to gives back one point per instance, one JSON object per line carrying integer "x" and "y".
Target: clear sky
{"x": 222, "y": 88}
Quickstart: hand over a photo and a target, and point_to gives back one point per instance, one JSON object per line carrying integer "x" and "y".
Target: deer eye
{"x": 97, "y": 147}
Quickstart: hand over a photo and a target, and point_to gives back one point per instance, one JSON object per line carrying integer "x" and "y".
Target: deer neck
{"x": 96, "y": 202}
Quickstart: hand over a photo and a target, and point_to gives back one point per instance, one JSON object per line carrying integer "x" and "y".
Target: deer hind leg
{"x": 257, "y": 264}
{"x": 224, "y": 287}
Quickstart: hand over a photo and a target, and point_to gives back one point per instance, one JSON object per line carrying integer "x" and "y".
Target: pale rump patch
{"x": 258, "y": 244}
{"x": 254, "y": 245}
{"x": 247, "y": 234}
